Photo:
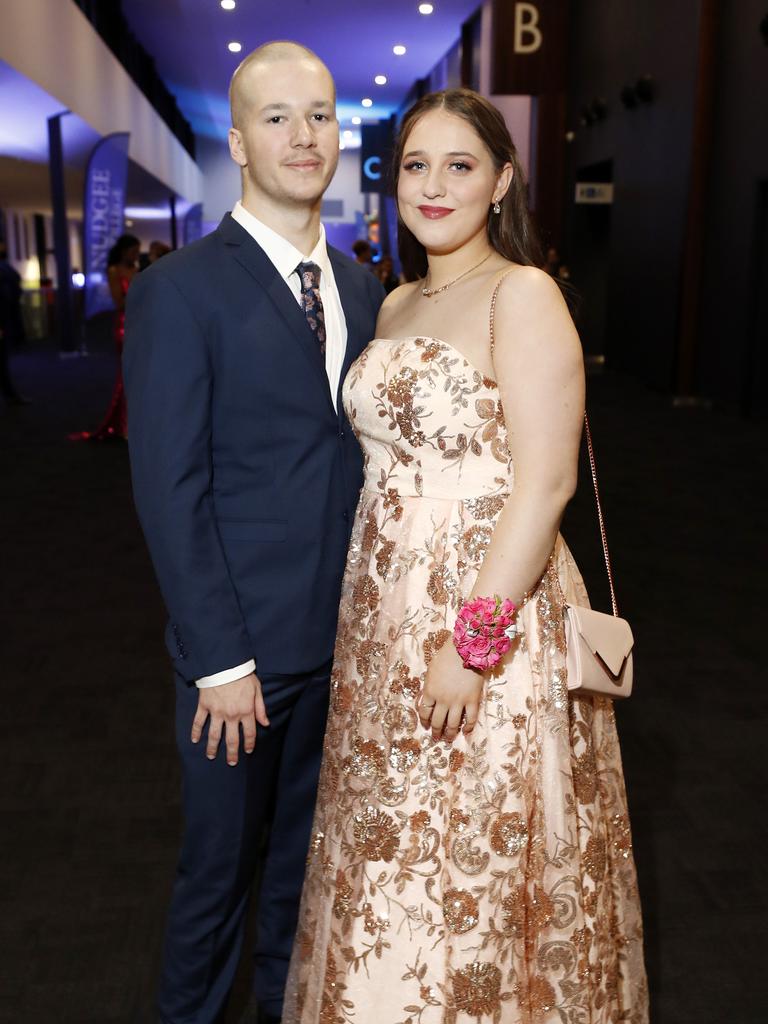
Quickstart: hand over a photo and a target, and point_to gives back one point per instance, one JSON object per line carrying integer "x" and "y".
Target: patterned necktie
{"x": 309, "y": 275}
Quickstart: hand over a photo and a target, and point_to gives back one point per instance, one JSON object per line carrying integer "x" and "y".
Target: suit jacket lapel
{"x": 252, "y": 258}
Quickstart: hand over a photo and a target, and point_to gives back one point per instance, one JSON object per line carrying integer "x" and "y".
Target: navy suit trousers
{"x": 225, "y": 810}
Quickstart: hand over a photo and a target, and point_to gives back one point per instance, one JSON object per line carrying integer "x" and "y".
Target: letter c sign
{"x": 372, "y": 168}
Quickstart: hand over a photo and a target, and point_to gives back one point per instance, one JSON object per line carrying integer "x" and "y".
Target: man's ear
{"x": 236, "y": 151}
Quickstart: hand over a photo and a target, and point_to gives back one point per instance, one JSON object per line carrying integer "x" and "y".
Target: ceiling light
{"x": 235, "y": 47}
{"x": 357, "y": 120}
{"x": 426, "y": 8}
{"x": 398, "y": 50}
{"x": 367, "y": 103}
{"x": 347, "y": 134}
{"x": 228, "y": 5}
{"x": 380, "y": 79}
{"x": 341, "y": 145}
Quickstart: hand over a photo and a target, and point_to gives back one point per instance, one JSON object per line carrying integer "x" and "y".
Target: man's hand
{"x": 230, "y": 706}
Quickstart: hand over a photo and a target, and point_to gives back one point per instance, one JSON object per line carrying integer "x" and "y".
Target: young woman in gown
{"x": 122, "y": 267}
{"x": 471, "y": 858}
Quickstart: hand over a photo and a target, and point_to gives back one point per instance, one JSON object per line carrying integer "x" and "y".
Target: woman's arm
{"x": 540, "y": 372}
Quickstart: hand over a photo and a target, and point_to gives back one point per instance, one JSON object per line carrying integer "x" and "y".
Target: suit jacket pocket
{"x": 261, "y": 530}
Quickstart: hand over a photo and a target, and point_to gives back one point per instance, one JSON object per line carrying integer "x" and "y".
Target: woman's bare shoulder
{"x": 394, "y": 304}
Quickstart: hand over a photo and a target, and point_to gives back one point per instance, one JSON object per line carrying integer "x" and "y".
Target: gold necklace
{"x": 429, "y": 292}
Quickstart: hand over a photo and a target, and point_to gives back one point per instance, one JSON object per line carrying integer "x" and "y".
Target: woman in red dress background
{"x": 122, "y": 267}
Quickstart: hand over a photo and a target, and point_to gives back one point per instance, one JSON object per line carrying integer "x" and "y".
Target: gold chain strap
{"x": 592, "y": 466}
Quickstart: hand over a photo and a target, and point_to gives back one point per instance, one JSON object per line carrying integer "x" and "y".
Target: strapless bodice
{"x": 430, "y": 424}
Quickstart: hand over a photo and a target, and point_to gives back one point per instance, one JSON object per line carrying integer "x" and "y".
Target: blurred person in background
{"x": 11, "y": 325}
{"x": 385, "y": 271}
{"x": 122, "y": 267}
{"x": 363, "y": 252}
{"x": 155, "y": 252}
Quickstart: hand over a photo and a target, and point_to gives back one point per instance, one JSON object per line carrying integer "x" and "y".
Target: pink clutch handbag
{"x": 599, "y": 646}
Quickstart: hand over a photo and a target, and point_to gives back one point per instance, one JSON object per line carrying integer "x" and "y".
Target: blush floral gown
{"x": 491, "y": 880}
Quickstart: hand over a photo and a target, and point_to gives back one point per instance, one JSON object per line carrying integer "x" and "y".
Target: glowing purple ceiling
{"x": 189, "y": 38}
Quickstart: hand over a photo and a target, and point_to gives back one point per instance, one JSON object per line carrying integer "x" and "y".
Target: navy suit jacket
{"x": 245, "y": 478}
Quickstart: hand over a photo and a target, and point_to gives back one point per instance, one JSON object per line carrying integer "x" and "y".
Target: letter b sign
{"x": 528, "y": 36}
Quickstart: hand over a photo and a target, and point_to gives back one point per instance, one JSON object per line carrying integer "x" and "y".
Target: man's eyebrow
{"x": 316, "y": 105}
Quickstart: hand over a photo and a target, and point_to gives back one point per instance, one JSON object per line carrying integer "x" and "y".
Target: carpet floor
{"x": 89, "y": 786}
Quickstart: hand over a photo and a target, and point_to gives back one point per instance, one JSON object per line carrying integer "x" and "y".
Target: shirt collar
{"x": 282, "y": 253}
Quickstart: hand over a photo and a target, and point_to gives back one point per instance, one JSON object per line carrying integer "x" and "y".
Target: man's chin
{"x": 308, "y": 192}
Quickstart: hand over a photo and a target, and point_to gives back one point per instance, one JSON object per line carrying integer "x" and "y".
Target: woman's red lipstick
{"x": 435, "y": 212}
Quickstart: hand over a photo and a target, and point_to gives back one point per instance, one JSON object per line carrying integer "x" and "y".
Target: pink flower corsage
{"x": 484, "y": 631}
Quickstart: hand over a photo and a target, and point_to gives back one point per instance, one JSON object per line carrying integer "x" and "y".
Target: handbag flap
{"x": 607, "y": 636}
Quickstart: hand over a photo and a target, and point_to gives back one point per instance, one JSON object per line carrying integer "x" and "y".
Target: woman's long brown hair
{"x": 511, "y": 232}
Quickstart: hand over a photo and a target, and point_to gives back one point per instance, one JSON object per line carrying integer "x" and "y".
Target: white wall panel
{"x": 54, "y": 45}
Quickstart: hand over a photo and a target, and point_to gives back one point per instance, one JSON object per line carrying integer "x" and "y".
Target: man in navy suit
{"x": 246, "y": 476}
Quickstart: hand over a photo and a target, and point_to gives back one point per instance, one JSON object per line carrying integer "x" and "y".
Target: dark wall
{"x": 731, "y": 357}
{"x": 612, "y": 45}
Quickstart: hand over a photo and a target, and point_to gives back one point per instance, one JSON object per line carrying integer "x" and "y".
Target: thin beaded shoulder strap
{"x": 590, "y": 451}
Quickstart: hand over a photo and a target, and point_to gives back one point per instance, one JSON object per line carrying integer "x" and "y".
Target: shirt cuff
{"x": 229, "y": 675}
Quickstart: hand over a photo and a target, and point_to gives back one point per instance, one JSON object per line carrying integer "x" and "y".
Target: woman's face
{"x": 131, "y": 255}
{"x": 447, "y": 182}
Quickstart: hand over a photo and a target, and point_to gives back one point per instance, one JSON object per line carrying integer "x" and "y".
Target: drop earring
{"x": 497, "y": 207}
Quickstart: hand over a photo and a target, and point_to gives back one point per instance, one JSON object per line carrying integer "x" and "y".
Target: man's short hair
{"x": 268, "y": 53}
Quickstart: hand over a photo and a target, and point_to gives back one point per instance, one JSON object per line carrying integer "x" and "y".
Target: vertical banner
{"x": 103, "y": 216}
{"x": 193, "y": 224}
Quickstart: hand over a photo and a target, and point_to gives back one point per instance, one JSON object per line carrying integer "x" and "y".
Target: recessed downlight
{"x": 426, "y": 8}
{"x": 234, "y": 47}
{"x": 367, "y": 102}
{"x": 228, "y": 5}
{"x": 380, "y": 79}
{"x": 398, "y": 50}
{"x": 357, "y": 120}
{"x": 348, "y": 134}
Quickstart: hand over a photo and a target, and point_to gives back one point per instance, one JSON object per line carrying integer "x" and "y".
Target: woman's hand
{"x": 449, "y": 691}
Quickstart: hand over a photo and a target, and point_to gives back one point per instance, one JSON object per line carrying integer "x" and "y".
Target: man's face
{"x": 288, "y": 139}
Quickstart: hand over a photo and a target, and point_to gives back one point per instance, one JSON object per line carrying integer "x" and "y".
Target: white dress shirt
{"x": 286, "y": 258}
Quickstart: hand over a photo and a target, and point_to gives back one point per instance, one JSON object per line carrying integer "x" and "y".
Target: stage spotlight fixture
{"x": 398, "y": 50}
{"x": 235, "y": 47}
{"x": 357, "y": 120}
{"x": 367, "y": 102}
{"x": 380, "y": 79}
{"x": 426, "y": 8}
{"x": 228, "y": 5}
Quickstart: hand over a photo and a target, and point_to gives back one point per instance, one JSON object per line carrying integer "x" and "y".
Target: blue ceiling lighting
{"x": 189, "y": 39}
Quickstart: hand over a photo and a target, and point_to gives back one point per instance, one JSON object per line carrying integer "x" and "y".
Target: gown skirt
{"x": 491, "y": 879}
